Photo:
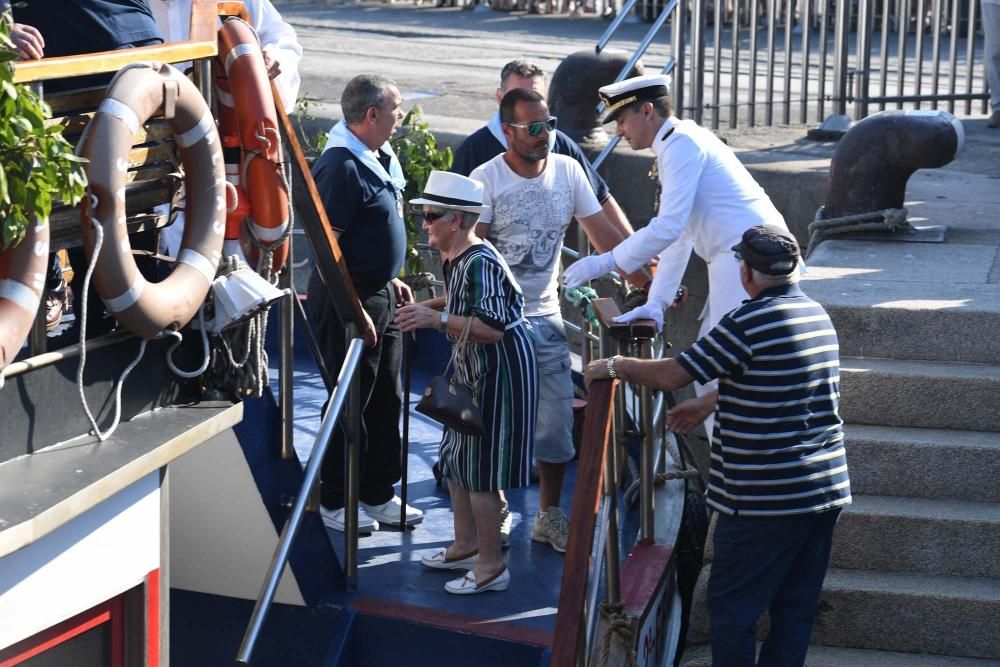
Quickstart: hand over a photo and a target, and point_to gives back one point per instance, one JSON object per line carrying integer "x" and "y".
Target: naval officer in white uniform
{"x": 707, "y": 200}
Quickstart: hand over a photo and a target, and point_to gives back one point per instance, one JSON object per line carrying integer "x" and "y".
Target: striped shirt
{"x": 778, "y": 447}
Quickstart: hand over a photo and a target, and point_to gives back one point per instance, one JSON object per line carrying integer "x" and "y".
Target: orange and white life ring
{"x": 22, "y": 281}
{"x": 137, "y": 93}
{"x": 244, "y": 94}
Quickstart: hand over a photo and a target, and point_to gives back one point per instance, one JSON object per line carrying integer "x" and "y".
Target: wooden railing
{"x": 586, "y": 497}
{"x": 202, "y": 44}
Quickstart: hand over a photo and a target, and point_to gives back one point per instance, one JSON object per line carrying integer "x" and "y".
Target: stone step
{"x": 911, "y": 613}
{"x": 833, "y": 656}
{"x": 925, "y": 394}
{"x": 885, "y": 611}
{"x": 918, "y": 535}
{"x": 894, "y": 300}
{"x": 924, "y": 463}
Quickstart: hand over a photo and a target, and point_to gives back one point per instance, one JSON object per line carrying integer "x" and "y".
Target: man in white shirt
{"x": 707, "y": 200}
{"x": 532, "y": 196}
{"x": 282, "y": 51}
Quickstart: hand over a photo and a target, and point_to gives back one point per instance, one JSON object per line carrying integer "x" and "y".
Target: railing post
{"x": 352, "y": 422}
{"x": 287, "y": 360}
{"x": 648, "y": 452}
{"x": 612, "y": 563}
{"x": 680, "y": 22}
{"x": 840, "y": 36}
{"x": 863, "y": 59}
{"x": 698, "y": 59}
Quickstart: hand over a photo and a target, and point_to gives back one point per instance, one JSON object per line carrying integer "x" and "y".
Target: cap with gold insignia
{"x": 617, "y": 96}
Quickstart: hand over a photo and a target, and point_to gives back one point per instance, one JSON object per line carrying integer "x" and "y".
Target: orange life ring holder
{"x": 246, "y": 89}
{"x": 22, "y": 281}
{"x": 136, "y": 94}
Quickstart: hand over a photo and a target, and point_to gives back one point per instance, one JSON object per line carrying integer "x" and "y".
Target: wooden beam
{"x": 46, "y": 69}
{"x": 586, "y": 498}
{"x": 312, "y": 218}
{"x": 233, "y": 9}
{"x": 202, "y": 43}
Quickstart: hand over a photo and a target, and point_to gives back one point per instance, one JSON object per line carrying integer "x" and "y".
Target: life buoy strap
{"x": 198, "y": 262}
{"x": 202, "y": 129}
{"x": 129, "y": 297}
{"x": 239, "y": 51}
{"x": 268, "y": 234}
{"x": 225, "y": 97}
{"x": 121, "y": 111}
{"x": 19, "y": 294}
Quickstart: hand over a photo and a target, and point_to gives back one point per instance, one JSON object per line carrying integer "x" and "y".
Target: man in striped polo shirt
{"x": 778, "y": 476}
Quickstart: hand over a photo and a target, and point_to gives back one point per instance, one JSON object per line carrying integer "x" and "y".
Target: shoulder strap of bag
{"x": 463, "y": 340}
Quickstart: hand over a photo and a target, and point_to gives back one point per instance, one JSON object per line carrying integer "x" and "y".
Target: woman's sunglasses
{"x": 434, "y": 216}
{"x": 534, "y": 129}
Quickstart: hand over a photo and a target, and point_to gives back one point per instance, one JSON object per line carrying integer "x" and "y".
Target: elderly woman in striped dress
{"x": 499, "y": 366}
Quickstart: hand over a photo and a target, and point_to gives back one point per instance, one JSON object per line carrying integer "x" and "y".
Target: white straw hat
{"x": 449, "y": 190}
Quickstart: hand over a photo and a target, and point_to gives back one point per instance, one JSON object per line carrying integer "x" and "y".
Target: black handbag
{"x": 448, "y": 401}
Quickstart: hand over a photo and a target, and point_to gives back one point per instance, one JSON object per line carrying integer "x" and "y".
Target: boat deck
{"x": 391, "y": 580}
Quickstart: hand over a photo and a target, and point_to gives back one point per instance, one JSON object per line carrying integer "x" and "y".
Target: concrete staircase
{"x": 915, "y": 573}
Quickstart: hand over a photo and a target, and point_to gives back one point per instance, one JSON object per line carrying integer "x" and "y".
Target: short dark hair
{"x": 513, "y": 97}
{"x": 520, "y": 68}
{"x": 362, "y": 93}
{"x": 662, "y": 105}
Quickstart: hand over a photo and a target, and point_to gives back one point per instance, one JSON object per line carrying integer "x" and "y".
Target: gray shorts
{"x": 554, "y": 426}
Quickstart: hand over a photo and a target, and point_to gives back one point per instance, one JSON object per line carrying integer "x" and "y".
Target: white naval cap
{"x": 616, "y": 96}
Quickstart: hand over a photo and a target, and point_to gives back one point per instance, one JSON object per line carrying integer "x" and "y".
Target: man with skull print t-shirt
{"x": 532, "y": 196}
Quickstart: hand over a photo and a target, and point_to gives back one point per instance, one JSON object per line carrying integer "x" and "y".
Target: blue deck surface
{"x": 389, "y": 559}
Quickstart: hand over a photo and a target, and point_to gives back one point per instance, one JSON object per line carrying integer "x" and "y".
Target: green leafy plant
{"x": 311, "y": 140}
{"x": 37, "y": 165}
{"x": 419, "y": 155}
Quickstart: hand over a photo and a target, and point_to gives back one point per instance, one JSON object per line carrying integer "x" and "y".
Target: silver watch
{"x": 612, "y": 372}
{"x": 443, "y": 322}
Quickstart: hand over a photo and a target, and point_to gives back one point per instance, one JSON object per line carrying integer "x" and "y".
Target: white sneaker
{"x": 335, "y": 519}
{"x": 552, "y": 528}
{"x": 388, "y": 513}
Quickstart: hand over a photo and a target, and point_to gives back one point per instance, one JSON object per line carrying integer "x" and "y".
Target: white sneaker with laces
{"x": 335, "y": 519}
{"x": 388, "y": 512}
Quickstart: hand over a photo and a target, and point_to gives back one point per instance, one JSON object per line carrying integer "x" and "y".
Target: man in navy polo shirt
{"x": 778, "y": 476}
{"x": 489, "y": 141}
{"x": 361, "y": 183}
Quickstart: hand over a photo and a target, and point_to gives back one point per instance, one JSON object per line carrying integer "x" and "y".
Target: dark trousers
{"x": 381, "y": 397}
{"x": 767, "y": 564}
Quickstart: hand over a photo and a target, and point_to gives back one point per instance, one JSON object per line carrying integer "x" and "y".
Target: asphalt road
{"x": 448, "y": 60}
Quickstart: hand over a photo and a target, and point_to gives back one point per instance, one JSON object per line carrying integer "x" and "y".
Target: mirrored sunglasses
{"x": 534, "y": 129}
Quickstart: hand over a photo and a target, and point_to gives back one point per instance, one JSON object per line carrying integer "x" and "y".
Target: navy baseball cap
{"x": 769, "y": 249}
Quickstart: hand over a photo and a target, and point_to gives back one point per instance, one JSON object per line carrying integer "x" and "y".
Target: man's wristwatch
{"x": 612, "y": 372}
{"x": 443, "y": 322}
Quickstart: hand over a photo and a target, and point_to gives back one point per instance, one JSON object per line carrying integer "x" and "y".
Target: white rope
{"x": 180, "y": 338}
{"x": 98, "y": 242}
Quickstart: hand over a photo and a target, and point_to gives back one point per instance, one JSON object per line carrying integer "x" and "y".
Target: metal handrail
{"x": 311, "y": 475}
{"x": 613, "y": 27}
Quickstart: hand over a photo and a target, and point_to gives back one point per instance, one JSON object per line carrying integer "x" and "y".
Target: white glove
{"x": 647, "y": 311}
{"x": 588, "y": 268}
{"x": 653, "y": 308}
